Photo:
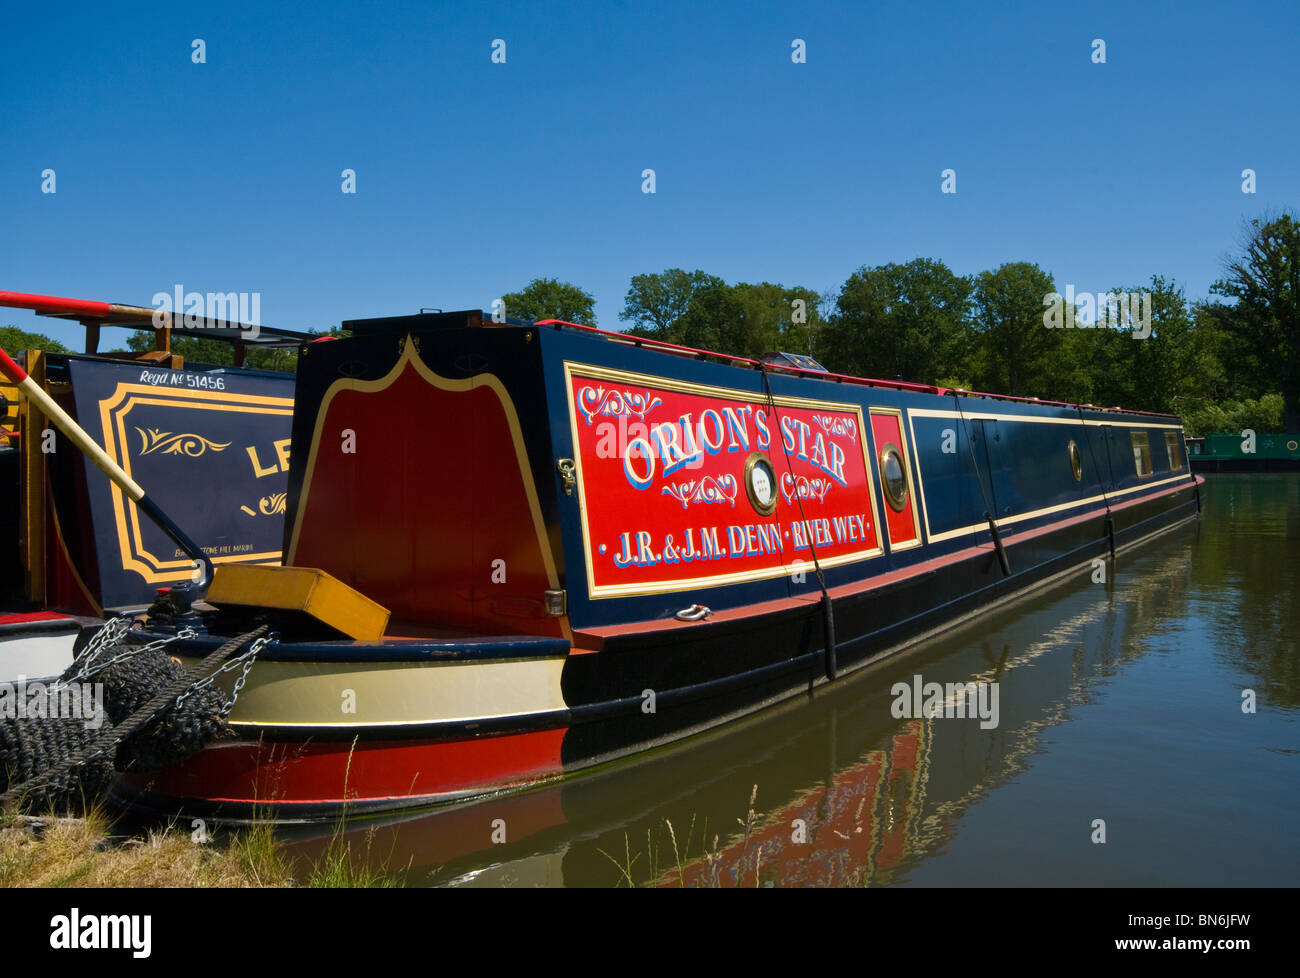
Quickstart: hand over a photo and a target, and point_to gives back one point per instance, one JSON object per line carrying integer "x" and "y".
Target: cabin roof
{"x": 773, "y": 364}
{"x": 460, "y": 319}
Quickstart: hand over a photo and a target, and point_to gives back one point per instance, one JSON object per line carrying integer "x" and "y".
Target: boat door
{"x": 1104, "y": 450}
{"x": 894, "y": 472}
{"x": 991, "y": 457}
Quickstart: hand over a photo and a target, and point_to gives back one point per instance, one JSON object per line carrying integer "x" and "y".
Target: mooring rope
{"x": 48, "y": 753}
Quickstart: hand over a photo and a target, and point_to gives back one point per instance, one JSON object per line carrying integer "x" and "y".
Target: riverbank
{"x": 52, "y": 851}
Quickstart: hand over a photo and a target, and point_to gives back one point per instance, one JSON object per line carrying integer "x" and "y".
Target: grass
{"x": 338, "y": 868}
{"x": 57, "y": 851}
{"x": 656, "y": 874}
{"x": 54, "y": 851}
{"x": 82, "y": 852}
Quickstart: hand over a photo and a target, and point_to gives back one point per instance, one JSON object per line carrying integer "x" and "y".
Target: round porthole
{"x": 760, "y": 484}
{"x": 893, "y": 477}
{"x": 1291, "y": 446}
{"x": 1076, "y": 463}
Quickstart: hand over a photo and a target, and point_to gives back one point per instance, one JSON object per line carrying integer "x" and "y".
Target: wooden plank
{"x": 32, "y": 477}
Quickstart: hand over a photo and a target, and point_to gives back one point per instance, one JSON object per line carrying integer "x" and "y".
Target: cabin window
{"x": 1141, "y": 453}
{"x": 893, "y": 477}
{"x": 1076, "y": 463}
{"x": 1173, "y": 451}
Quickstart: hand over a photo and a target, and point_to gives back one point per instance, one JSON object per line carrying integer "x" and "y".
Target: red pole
{"x": 55, "y": 305}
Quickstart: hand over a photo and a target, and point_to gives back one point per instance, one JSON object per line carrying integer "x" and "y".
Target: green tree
{"x": 1175, "y": 361}
{"x": 1018, "y": 353}
{"x": 774, "y": 317}
{"x": 701, "y": 310}
{"x": 195, "y": 349}
{"x": 655, "y": 302}
{"x": 1264, "y": 283}
{"x": 908, "y": 321}
{"x": 548, "y": 298}
{"x": 13, "y": 339}
{"x": 1206, "y": 417}
{"x": 714, "y": 320}
{"x": 198, "y": 349}
{"x": 1116, "y": 366}
{"x": 1233, "y": 368}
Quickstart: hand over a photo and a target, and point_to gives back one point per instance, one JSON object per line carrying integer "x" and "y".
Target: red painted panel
{"x": 319, "y": 772}
{"x": 901, "y": 526}
{"x": 417, "y": 515}
{"x": 663, "y": 474}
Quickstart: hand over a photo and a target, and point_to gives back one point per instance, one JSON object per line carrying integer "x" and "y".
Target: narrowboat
{"x": 515, "y": 550}
{"x": 1245, "y": 452}
{"x": 213, "y": 440}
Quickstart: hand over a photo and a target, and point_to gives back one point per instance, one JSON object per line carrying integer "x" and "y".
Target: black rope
{"x": 56, "y": 762}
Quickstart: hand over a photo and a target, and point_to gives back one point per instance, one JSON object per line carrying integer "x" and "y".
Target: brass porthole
{"x": 760, "y": 484}
{"x": 1076, "y": 463}
{"x": 893, "y": 477}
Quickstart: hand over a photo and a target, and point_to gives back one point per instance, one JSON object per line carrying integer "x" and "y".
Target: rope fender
{"x": 62, "y": 760}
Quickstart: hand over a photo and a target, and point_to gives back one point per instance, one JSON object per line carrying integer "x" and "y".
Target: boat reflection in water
{"x": 873, "y": 795}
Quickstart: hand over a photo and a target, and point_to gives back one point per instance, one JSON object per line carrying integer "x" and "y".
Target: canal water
{"x": 1147, "y": 734}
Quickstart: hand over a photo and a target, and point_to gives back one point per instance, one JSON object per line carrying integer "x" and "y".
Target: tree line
{"x": 1222, "y": 364}
{"x": 1229, "y": 362}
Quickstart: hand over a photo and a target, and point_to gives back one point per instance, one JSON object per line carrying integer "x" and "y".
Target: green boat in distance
{"x": 1227, "y": 452}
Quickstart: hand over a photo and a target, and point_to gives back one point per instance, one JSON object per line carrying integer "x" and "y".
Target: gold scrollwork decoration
{"x": 166, "y": 443}
{"x": 272, "y": 505}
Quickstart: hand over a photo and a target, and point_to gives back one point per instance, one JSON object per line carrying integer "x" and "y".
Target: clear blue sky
{"x": 474, "y": 177}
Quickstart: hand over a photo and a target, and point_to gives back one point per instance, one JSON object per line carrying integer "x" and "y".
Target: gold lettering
{"x": 282, "y": 455}
{"x": 258, "y": 470}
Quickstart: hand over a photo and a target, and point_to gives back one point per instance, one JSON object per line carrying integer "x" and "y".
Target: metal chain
{"x": 136, "y": 721}
{"x": 114, "y": 630}
{"x": 243, "y": 675}
{"x": 243, "y": 661}
{"x": 87, "y": 669}
{"x": 131, "y": 652}
{"x": 108, "y": 637}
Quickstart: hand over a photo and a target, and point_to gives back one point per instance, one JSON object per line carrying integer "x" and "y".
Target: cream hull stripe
{"x": 348, "y": 695}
